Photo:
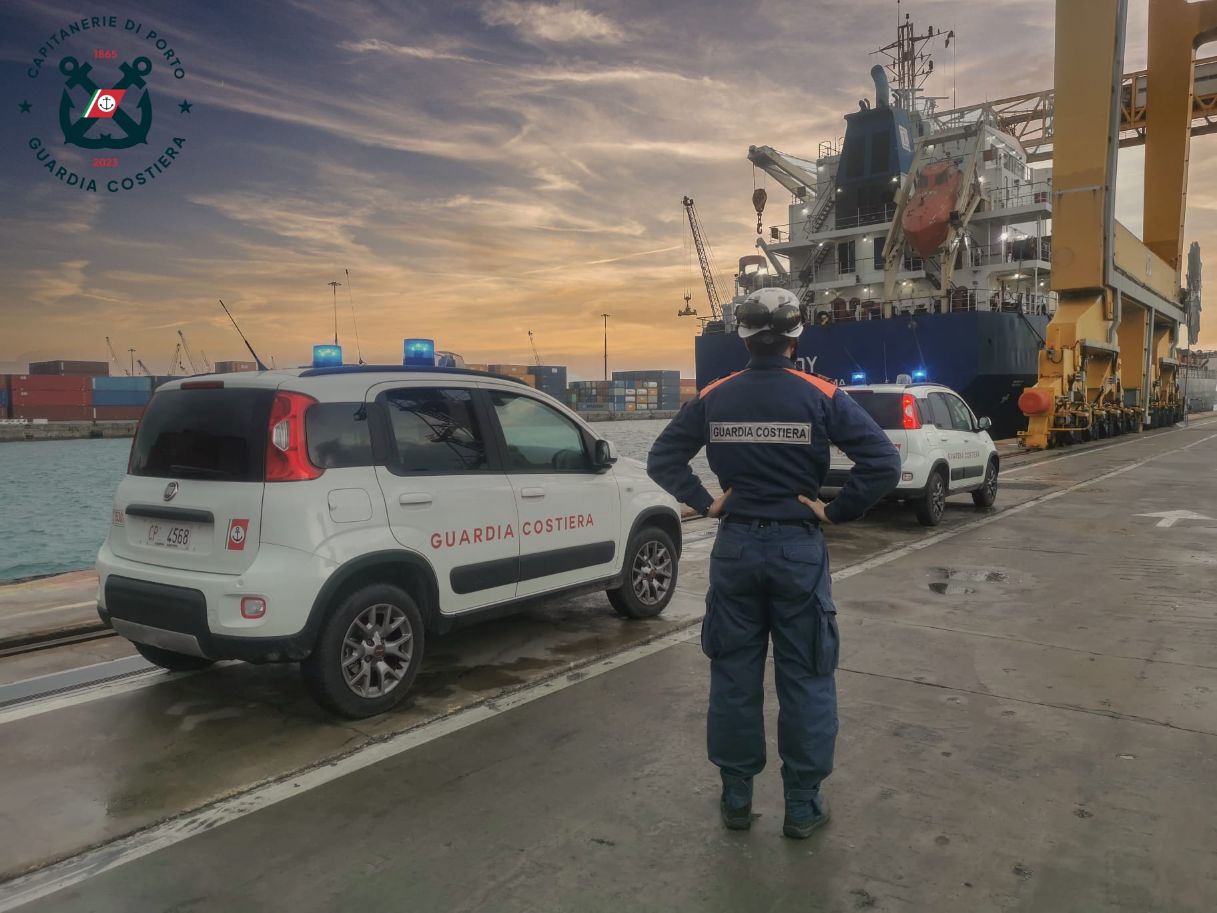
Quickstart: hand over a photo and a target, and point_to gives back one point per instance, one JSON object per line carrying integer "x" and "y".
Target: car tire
{"x": 368, "y": 652}
{"x": 171, "y": 660}
{"x": 931, "y": 504}
{"x": 985, "y": 496}
{"x": 649, "y": 575}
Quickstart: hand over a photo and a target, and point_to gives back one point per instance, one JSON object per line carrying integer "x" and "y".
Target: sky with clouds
{"x": 480, "y": 168}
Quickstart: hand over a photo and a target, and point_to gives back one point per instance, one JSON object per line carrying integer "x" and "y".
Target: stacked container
{"x": 70, "y": 368}
{"x": 650, "y": 391}
{"x": 232, "y": 367}
{"x": 52, "y": 397}
{"x": 120, "y": 398}
{"x": 4, "y": 407}
{"x": 549, "y": 379}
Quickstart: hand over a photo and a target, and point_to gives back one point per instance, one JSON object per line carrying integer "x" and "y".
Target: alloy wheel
{"x": 652, "y": 572}
{"x": 376, "y": 650}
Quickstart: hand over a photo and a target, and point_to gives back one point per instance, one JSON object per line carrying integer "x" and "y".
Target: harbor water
{"x": 55, "y": 496}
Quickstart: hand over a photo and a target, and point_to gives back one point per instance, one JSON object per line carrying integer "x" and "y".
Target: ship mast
{"x": 909, "y": 62}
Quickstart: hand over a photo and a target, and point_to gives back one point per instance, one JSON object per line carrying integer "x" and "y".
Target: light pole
{"x": 334, "y": 285}
{"x": 606, "y": 317}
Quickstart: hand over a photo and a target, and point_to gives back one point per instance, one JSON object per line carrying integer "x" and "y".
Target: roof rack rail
{"x": 405, "y": 369}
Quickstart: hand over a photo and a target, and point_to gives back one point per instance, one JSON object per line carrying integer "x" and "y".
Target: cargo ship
{"x": 919, "y": 244}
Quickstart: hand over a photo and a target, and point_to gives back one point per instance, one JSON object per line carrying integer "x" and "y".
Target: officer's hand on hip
{"x": 717, "y": 507}
{"x": 817, "y": 508}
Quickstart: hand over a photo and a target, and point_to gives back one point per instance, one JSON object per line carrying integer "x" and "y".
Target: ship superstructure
{"x": 917, "y": 243}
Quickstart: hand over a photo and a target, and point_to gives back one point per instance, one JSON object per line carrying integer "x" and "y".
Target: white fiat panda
{"x": 944, "y": 448}
{"x": 339, "y": 516}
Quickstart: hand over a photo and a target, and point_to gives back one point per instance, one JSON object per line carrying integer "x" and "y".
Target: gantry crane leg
{"x": 1107, "y": 361}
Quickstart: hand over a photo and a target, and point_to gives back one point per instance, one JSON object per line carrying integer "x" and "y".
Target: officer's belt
{"x": 762, "y": 522}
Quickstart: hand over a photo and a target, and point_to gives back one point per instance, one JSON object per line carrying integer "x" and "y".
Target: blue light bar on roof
{"x": 418, "y": 352}
{"x": 326, "y": 356}
{"x": 858, "y": 377}
{"x": 919, "y": 375}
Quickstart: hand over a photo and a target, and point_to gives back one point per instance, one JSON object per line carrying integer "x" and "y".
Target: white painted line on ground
{"x": 45, "y": 882}
{"x": 76, "y": 869}
{"x": 153, "y": 676}
{"x": 880, "y": 560}
{"x": 49, "y": 609}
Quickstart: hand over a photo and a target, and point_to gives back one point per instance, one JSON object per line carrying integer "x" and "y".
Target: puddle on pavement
{"x": 447, "y": 680}
{"x": 965, "y": 581}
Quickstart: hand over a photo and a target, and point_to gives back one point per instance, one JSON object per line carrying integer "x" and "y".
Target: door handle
{"x": 414, "y": 499}
{"x": 532, "y": 492}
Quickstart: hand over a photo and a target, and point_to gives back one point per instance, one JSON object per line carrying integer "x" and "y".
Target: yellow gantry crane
{"x": 1108, "y": 364}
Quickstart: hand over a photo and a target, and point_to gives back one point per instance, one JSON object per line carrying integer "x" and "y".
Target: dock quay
{"x": 1028, "y": 704}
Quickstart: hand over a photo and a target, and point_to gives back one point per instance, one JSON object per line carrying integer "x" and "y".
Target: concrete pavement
{"x": 1028, "y": 706}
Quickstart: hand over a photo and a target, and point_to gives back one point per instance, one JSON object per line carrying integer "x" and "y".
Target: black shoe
{"x": 735, "y": 806}
{"x": 735, "y": 817}
{"x": 803, "y": 817}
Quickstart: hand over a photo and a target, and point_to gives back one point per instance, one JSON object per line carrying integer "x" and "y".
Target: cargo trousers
{"x": 770, "y": 580}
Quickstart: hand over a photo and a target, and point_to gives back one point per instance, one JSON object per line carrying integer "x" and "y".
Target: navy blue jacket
{"x": 767, "y": 431}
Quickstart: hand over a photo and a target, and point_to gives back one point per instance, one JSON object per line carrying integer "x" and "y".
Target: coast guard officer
{"x": 767, "y": 431}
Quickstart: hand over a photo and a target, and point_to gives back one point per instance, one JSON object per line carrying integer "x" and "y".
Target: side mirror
{"x": 983, "y": 424}
{"x": 606, "y": 453}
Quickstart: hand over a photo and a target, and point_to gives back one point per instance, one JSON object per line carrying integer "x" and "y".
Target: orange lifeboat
{"x": 927, "y": 218}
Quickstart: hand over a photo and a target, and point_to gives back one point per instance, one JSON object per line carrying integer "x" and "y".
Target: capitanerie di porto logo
{"x": 106, "y": 107}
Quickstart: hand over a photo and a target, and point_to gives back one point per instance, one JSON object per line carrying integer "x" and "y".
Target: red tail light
{"x": 286, "y": 448}
{"x": 910, "y": 412}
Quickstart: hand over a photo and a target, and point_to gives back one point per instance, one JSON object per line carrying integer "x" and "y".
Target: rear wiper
{"x": 198, "y": 472}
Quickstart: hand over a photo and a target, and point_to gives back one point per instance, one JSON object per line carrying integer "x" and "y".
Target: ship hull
{"x": 987, "y": 357}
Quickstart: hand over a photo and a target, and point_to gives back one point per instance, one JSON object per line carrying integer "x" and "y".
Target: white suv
{"x": 944, "y": 448}
{"x": 339, "y": 516}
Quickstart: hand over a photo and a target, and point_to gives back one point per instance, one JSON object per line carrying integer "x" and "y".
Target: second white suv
{"x": 340, "y": 516}
{"x": 944, "y": 448}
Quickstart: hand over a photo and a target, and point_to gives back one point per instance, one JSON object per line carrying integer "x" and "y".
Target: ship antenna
{"x": 257, "y": 360}
{"x": 351, "y": 298}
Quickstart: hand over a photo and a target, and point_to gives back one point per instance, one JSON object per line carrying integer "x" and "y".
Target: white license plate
{"x": 173, "y": 535}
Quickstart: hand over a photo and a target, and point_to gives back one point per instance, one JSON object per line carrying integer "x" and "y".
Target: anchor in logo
{"x": 74, "y": 131}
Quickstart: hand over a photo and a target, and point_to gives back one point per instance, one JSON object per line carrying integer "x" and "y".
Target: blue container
{"x": 122, "y": 384}
{"x": 121, "y": 397}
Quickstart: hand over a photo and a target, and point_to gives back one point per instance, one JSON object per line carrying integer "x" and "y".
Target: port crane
{"x": 535, "y": 354}
{"x": 114, "y": 357}
{"x": 1109, "y": 360}
{"x": 704, "y": 258}
{"x": 194, "y": 367}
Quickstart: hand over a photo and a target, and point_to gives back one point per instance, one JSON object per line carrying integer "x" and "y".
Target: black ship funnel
{"x": 883, "y": 95}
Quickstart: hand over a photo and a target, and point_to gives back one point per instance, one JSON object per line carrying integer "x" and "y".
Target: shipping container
{"x": 118, "y": 413}
{"x": 510, "y": 370}
{"x": 128, "y": 384}
{"x": 87, "y": 368}
{"x": 43, "y": 382}
{"x": 53, "y": 413}
{"x": 477, "y": 367}
{"x": 232, "y": 367}
{"x": 121, "y": 398}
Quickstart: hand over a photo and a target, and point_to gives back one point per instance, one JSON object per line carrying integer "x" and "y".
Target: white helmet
{"x": 772, "y": 309}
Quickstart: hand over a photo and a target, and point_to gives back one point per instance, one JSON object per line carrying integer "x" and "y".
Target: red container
{"x": 55, "y": 413}
{"x": 34, "y": 382}
{"x": 118, "y": 413}
{"x": 32, "y": 390}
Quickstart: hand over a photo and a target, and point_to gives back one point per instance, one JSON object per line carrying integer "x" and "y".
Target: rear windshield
{"x": 204, "y": 434}
{"x": 884, "y": 408}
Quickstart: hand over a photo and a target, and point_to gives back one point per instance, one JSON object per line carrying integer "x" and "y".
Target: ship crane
{"x": 143, "y": 367}
{"x": 703, "y": 258}
{"x": 535, "y": 354}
